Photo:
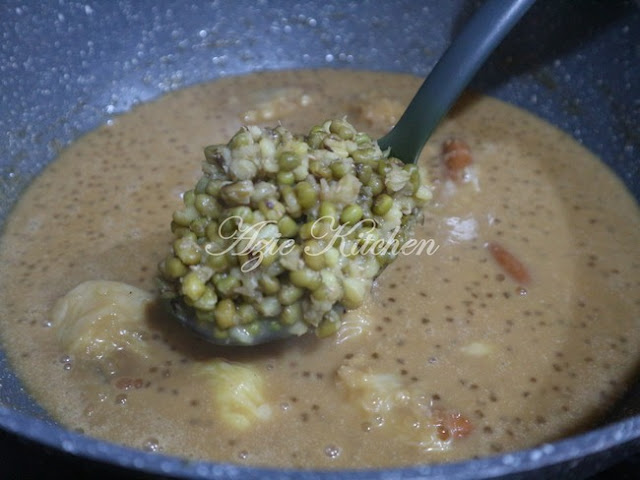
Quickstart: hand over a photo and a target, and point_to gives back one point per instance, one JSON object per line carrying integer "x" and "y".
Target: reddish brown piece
{"x": 509, "y": 263}
{"x": 456, "y": 156}
{"x": 452, "y": 425}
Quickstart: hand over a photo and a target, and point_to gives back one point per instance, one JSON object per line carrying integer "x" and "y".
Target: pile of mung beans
{"x": 284, "y": 232}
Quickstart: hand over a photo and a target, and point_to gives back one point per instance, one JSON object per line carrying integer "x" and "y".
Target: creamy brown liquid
{"x": 524, "y": 365}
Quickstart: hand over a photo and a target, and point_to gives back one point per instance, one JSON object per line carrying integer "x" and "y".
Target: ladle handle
{"x": 453, "y": 72}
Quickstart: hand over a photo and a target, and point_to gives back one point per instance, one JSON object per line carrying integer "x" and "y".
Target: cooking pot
{"x": 67, "y": 67}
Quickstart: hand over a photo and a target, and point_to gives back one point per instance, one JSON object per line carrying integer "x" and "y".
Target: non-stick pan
{"x": 68, "y": 66}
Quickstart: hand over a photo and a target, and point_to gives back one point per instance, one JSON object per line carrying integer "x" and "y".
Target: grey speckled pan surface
{"x": 66, "y": 67}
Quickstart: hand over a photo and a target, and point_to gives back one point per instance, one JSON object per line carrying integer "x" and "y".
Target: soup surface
{"x": 453, "y": 355}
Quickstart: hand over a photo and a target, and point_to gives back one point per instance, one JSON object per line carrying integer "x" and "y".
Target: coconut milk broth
{"x": 523, "y": 364}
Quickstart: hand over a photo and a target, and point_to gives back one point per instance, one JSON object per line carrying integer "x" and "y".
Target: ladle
{"x": 446, "y": 81}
